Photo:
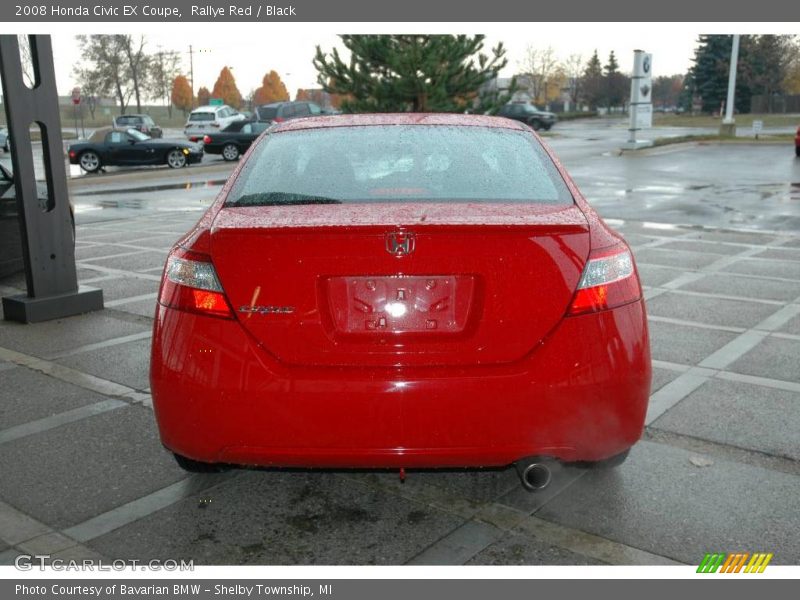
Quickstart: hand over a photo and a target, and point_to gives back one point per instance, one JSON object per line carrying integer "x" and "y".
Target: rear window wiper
{"x": 280, "y": 199}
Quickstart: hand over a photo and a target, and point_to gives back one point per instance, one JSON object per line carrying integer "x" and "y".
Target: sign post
{"x": 641, "y": 105}
{"x": 76, "y": 100}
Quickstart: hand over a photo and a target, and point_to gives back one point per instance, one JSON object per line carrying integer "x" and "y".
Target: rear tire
{"x": 536, "y": 124}
{"x": 230, "y": 152}
{"x": 195, "y": 466}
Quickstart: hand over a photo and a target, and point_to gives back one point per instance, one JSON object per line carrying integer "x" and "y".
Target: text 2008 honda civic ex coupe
{"x": 394, "y": 291}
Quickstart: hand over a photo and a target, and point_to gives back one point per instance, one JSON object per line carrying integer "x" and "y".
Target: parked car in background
{"x": 143, "y": 123}
{"x": 529, "y": 114}
{"x": 398, "y": 291}
{"x": 5, "y": 140}
{"x": 206, "y": 119}
{"x": 277, "y": 112}
{"x": 797, "y": 143}
{"x": 112, "y": 147}
{"x": 234, "y": 140}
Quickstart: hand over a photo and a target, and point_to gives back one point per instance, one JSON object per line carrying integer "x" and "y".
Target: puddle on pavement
{"x": 186, "y": 186}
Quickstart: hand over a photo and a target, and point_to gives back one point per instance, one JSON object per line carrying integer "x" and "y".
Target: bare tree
{"x": 106, "y": 66}
{"x": 138, "y": 64}
{"x": 164, "y": 68}
{"x": 573, "y": 69}
{"x": 539, "y": 65}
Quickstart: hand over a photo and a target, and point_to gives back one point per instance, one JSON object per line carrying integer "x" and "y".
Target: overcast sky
{"x": 253, "y": 49}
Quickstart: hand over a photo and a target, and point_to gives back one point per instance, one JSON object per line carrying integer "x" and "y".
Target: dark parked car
{"x": 797, "y": 143}
{"x": 278, "y": 112}
{"x": 234, "y": 140}
{"x": 112, "y": 147}
{"x": 143, "y": 123}
{"x": 11, "y": 261}
{"x": 529, "y": 114}
{"x": 5, "y": 140}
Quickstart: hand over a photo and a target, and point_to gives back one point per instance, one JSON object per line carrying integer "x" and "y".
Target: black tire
{"x": 230, "y": 152}
{"x": 176, "y": 159}
{"x": 536, "y": 124}
{"x": 195, "y": 466}
{"x": 796, "y": 151}
{"x": 89, "y": 161}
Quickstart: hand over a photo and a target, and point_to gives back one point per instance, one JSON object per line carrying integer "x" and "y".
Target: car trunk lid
{"x": 392, "y": 285}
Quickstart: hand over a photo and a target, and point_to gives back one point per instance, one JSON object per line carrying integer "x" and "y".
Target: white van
{"x": 210, "y": 119}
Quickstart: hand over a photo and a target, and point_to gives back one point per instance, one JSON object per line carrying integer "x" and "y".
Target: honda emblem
{"x": 400, "y": 243}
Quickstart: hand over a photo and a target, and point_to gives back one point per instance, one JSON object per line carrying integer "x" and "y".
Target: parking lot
{"x": 716, "y": 234}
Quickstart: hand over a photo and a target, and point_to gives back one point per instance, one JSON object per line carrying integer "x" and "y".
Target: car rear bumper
{"x": 580, "y": 395}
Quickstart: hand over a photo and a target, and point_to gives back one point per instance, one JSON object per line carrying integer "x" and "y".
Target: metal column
{"x": 45, "y": 224}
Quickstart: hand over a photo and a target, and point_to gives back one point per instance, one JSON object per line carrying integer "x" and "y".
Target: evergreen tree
{"x": 617, "y": 85}
{"x": 708, "y": 77}
{"x": 418, "y": 73}
{"x": 592, "y": 84}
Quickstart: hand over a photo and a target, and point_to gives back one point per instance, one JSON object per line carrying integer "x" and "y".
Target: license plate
{"x": 418, "y": 304}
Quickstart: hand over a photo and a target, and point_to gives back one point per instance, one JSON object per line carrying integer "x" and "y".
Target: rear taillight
{"x": 190, "y": 283}
{"x": 72, "y": 154}
{"x": 608, "y": 280}
{"x": 278, "y": 120}
{"x": 206, "y": 139}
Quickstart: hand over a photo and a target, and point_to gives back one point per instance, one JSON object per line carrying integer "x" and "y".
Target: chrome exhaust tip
{"x": 535, "y": 476}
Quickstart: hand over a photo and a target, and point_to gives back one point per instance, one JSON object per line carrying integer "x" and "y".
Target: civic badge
{"x": 400, "y": 243}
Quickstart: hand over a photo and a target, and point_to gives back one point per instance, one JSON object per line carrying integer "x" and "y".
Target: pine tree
{"x": 592, "y": 84}
{"x": 616, "y": 84}
{"x": 419, "y": 73}
{"x": 708, "y": 77}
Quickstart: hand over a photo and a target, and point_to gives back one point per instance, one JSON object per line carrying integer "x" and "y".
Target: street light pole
{"x": 191, "y": 71}
{"x": 729, "y": 122}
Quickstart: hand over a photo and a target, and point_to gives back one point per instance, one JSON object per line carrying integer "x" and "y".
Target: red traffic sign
{"x": 76, "y": 95}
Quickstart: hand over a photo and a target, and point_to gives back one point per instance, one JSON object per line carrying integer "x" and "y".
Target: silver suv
{"x": 210, "y": 119}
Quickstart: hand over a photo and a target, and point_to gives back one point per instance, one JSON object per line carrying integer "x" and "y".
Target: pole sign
{"x": 76, "y": 95}
{"x": 641, "y": 106}
{"x": 215, "y": 102}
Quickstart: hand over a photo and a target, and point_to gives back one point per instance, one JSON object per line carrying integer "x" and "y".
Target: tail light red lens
{"x": 190, "y": 283}
{"x": 206, "y": 139}
{"x": 278, "y": 119}
{"x": 609, "y": 279}
{"x": 72, "y": 154}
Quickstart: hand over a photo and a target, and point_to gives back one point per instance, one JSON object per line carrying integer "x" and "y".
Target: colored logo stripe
{"x": 711, "y": 563}
{"x": 758, "y": 563}
{"x": 733, "y": 563}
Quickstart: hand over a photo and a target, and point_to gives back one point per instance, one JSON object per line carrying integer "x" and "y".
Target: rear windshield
{"x": 128, "y": 120}
{"x": 418, "y": 163}
{"x": 267, "y": 112}
{"x": 201, "y": 116}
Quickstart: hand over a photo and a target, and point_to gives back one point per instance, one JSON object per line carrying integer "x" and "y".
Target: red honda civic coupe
{"x": 394, "y": 291}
